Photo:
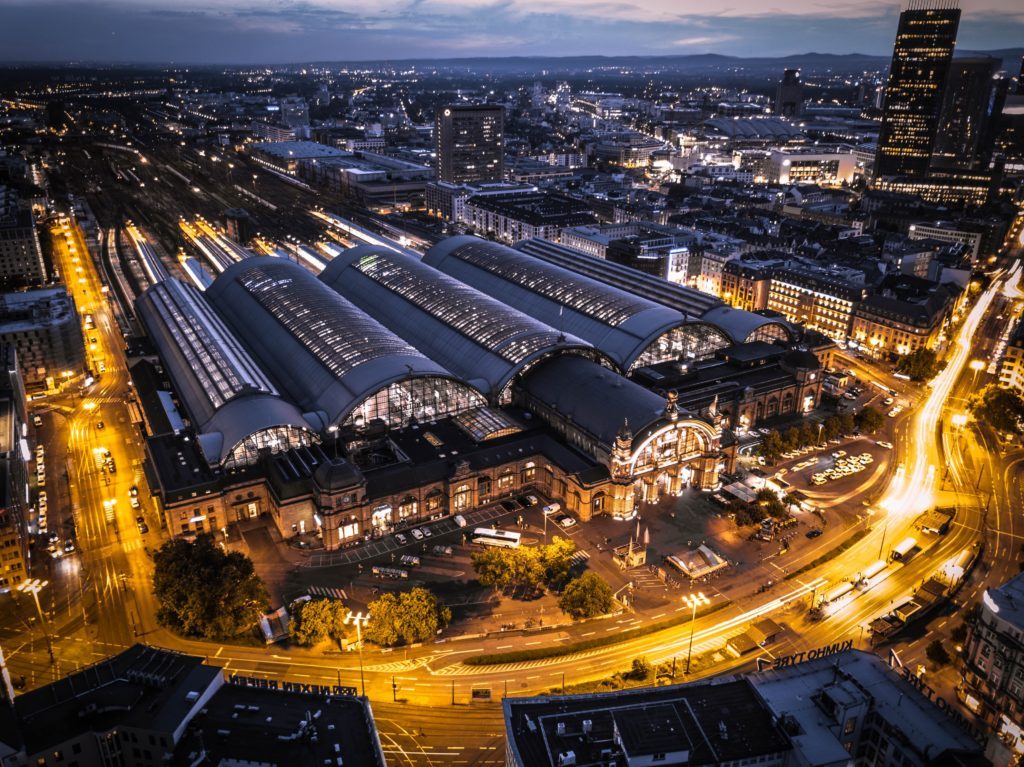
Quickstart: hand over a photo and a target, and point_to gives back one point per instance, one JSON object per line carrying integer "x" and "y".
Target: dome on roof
{"x": 335, "y": 475}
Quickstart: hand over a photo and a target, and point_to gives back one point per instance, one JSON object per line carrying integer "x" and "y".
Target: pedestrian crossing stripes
{"x": 580, "y": 557}
{"x": 327, "y": 591}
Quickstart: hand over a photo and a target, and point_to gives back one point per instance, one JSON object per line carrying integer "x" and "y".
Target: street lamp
{"x": 359, "y": 620}
{"x": 33, "y": 586}
{"x": 977, "y": 366}
{"x": 693, "y": 601}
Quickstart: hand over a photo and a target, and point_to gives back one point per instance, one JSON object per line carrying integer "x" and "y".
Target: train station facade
{"x": 388, "y": 390}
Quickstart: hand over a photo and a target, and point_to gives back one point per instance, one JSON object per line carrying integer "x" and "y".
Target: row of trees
{"x": 532, "y": 569}
{"x": 807, "y": 433}
{"x": 395, "y": 619}
{"x": 527, "y": 568}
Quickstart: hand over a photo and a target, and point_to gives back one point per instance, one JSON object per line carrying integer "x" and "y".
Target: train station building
{"x": 390, "y": 390}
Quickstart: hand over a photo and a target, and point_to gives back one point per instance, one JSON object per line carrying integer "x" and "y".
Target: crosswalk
{"x": 580, "y": 557}
{"x": 327, "y": 591}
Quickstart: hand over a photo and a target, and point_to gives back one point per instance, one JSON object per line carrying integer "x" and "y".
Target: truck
{"x": 903, "y": 548}
{"x": 936, "y": 521}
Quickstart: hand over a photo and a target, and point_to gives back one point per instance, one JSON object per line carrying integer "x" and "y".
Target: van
{"x": 460, "y": 520}
{"x": 551, "y": 508}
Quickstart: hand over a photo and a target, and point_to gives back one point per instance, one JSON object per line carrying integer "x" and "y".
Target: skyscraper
{"x": 789, "y": 96}
{"x": 913, "y": 97}
{"x": 470, "y": 143}
{"x": 971, "y": 105}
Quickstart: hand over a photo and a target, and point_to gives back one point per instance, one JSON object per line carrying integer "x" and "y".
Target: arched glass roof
{"x": 476, "y": 336}
{"x": 323, "y": 352}
{"x": 621, "y": 324}
{"x": 225, "y": 393}
{"x": 689, "y": 301}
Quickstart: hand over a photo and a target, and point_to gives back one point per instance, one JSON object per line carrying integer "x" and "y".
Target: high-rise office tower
{"x": 470, "y": 143}
{"x": 789, "y": 96}
{"x": 913, "y": 97}
{"x": 971, "y": 105}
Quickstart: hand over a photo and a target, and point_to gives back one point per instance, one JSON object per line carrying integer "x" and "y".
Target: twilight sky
{"x": 278, "y": 31}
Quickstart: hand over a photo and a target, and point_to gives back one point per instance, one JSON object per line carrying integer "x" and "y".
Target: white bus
{"x": 488, "y": 536}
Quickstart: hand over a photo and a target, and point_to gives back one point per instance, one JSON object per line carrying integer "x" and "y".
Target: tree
{"x": 556, "y": 559}
{"x": 1002, "y": 409}
{"x": 203, "y": 591}
{"x": 586, "y": 597}
{"x": 870, "y": 420}
{"x": 936, "y": 653}
{"x": 405, "y": 618}
{"x": 771, "y": 446}
{"x": 769, "y": 504}
{"x": 830, "y": 428}
{"x": 846, "y": 423}
{"x": 317, "y": 620}
{"x": 791, "y": 439}
{"x": 527, "y": 567}
{"x": 921, "y": 365}
{"x": 641, "y": 668}
{"x": 808, "y": 433}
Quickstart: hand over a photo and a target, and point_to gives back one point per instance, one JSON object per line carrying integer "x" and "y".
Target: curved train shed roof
{"x": 478, "y": 337}
{"x": 325, "y": 353}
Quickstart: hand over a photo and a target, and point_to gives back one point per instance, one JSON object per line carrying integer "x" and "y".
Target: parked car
{"x": 551, "y": 508}
{"x": 564, "y": 520}
{"x": 460, "y": 520}
{"x": 143, "y": 527}
{"x": 402, "y": 540}
{"x": 426, "y": 532}
{"x": 813, "y": 533}
{"x": 416, "y": 534}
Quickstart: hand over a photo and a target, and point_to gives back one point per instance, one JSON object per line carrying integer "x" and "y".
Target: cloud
{"x": 275, "y": 31}
{"x": 704, "y": 40}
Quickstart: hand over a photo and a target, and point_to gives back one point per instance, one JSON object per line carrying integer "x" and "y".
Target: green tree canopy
{"x": 405, "y": 618}
{"x": 203, "y": 591}
{"x": 830, "y": 428}
{"x": 586, "y": 597}
{"x": 1002, "y": 409}
{"x": 528, "y": 567}
{"x": 317, "y": 620}
{"x": 870, "y": 420}
{"x": 771, "y": 446}
{"x": 921, "y": 365}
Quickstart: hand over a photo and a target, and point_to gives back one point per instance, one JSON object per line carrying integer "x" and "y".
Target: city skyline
{"x": 226, "y": 32}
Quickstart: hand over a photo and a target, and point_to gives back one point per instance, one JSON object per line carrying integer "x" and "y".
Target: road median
{"x": 541, "y": 653}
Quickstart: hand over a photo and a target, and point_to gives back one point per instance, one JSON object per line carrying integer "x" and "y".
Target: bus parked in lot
{"x": 488, "y": 536}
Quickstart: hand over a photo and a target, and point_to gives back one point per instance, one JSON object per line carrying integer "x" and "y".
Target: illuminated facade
{"x": 1011, "y": 368}
{"x": 903, "y": 314}
{"x": 992, "y": 686}
{"x": 470, "y": 144}
{"x": 816, "y": 301}
{"x": 914, "y": 93}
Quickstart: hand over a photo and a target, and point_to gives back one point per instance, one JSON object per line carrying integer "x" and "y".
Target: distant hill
{"x": 694, "y": 63}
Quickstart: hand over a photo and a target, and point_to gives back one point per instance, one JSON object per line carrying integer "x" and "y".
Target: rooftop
{"x": 143, "y": 687}
{"x": 714, "y": 721}
{"x": 298, "y": 150}
{"x": 248, "y": 725}
{"x": 1007, "y": 601}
